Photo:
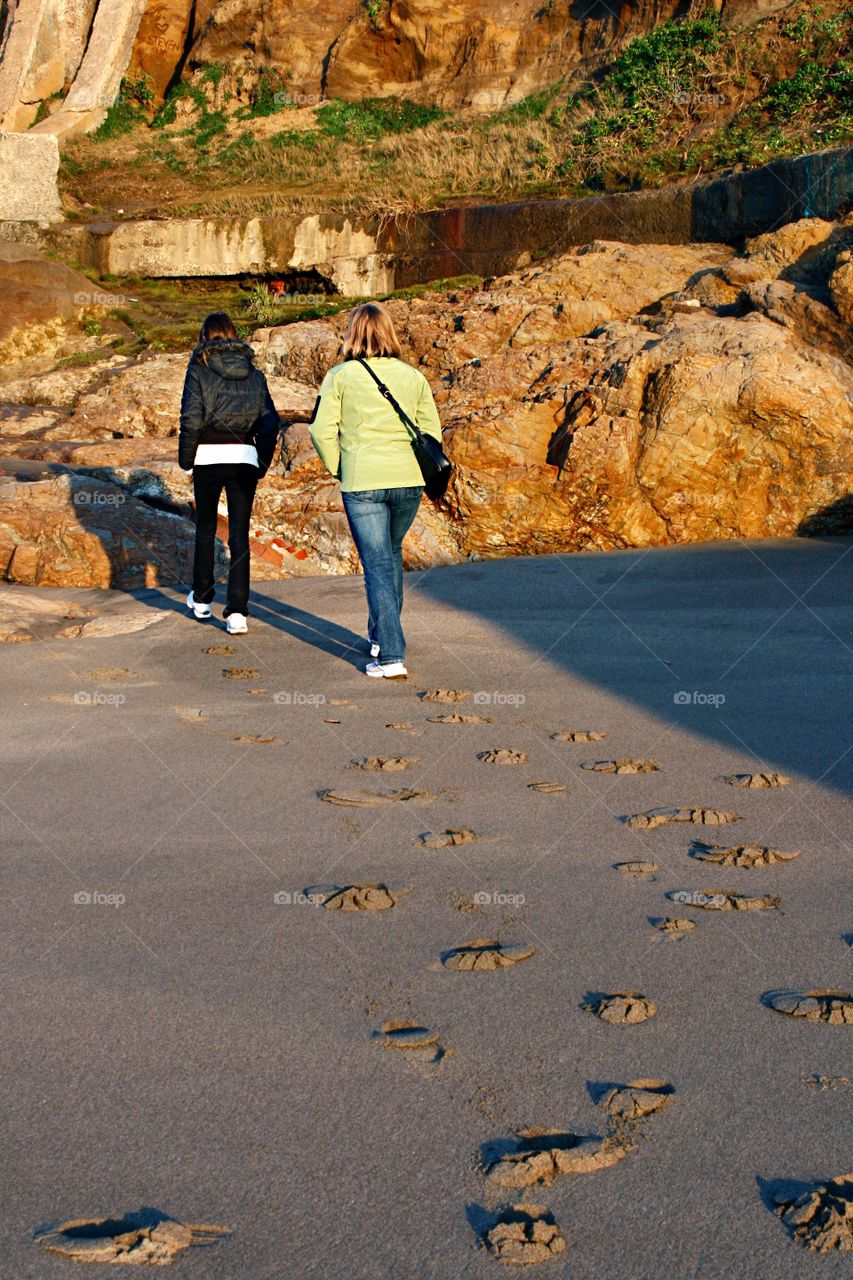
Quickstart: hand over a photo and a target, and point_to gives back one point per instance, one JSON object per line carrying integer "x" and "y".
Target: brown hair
{"x": 217, "y": 325}
{"x": 370, "y": 332}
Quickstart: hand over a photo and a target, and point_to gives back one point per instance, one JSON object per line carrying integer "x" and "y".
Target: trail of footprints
{"x": 525, "y": 1233}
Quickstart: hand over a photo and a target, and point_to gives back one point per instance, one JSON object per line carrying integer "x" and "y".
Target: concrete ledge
{"x": 29, "y": 166}
{"x": 375, "y": 256}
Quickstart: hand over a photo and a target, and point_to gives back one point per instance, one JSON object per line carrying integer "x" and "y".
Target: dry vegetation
{"x": 689, "y": 98}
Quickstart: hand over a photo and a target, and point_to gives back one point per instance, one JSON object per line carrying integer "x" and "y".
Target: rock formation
{"x": 620, "y": 395}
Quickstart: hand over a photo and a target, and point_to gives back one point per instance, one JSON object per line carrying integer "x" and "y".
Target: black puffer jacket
{"x": 226, "y": 400}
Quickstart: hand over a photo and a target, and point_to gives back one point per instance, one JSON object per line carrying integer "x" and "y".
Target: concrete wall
{"x": 371, "y": 257}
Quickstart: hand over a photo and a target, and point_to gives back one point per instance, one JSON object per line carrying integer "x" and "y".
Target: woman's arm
{"x": 325, "y": 426}
{"x": 266, "y": 431}
{"x": 192, "y": 419}
{"x": 426, "y": 414}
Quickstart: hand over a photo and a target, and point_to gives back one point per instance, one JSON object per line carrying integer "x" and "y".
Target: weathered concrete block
{"x": 29, "y": 165}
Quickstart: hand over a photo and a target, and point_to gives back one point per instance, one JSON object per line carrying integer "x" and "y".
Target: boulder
{"x": 29, "y": 168}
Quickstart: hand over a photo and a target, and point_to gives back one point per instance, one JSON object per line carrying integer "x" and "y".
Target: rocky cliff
{"x": 447, "y": 53}
{"x": 442, "y": 52}
{"x": 620, "y": 395}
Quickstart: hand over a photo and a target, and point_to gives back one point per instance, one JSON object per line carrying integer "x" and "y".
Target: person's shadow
{"x": 168, "y": 559}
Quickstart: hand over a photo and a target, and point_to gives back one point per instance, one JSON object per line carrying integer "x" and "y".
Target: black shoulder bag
{"x": 435, "y": 466}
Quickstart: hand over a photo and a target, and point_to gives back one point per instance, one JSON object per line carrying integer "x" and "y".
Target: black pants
{"x": 239, "y": 482}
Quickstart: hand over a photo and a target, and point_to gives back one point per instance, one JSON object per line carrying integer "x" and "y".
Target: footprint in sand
{"x": 548, "y": 788}
{"x": 636, "y": 1099}
{"x": 360, "y": 799}
{"x": 444, "y": 695}
{"x": 419, "y": 1043}
{"x": 755, "y": 780}
{"x": 446, "y": 839}
{"x": 384, "y": 764}
{"x": 725, "y": 900}
{"x": 740, "y": 855}
{"x": 220, "y": 650}
{"x": 458, "y": 717}
{"x": 620, "y": 1008}
{"x": 484, "y": 955}
{"x": 636, "y": 868}
{"x": 524, "y": 1234}
{"x": 357, "y": 897}
{"x": 539, "y": 1156}
{"x": 674, "y": 928}
{"x": 822, "y": 1218}
{"x": 502, "y": 755}
{"x": 622, "y": 766}
{"x": 191, "y": 715}
{"x": 821, "y": 1005}
{"x": 578, "y": 735}
{"x": 240, "y": 673}
{"x": 661, "y": 817}
{"x": 144, "y": 1237}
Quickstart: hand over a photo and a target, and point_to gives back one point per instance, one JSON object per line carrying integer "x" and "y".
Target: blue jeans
{"x": 379, "y": 520}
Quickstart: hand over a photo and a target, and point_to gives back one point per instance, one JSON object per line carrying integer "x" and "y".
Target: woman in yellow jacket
{"x": 366, "y": 446}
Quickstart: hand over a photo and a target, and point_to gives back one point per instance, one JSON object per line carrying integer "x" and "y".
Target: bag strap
{"x": 401, "y": 413}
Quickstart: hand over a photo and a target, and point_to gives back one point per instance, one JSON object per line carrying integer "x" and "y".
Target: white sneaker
{"x": 388, "y": 670}
{"x": 374, "y": 649}
{"x": 201, "y": 611}
{"x": 236, "y": 624}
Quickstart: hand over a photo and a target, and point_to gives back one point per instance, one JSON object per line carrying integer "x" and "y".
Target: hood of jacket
{"x": 227, "y": 357}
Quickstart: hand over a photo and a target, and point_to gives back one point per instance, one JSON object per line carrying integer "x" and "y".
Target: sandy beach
{"x": 189, "y": 1028}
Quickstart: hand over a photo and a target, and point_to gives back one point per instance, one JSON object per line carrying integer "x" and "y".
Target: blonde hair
{"x": 370, "y": 332}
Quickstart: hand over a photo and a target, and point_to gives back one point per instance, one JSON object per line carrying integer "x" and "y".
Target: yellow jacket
{"x": 359, "y": 435}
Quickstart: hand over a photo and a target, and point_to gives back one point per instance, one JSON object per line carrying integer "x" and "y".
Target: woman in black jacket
{"x": 229, "y": 429}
